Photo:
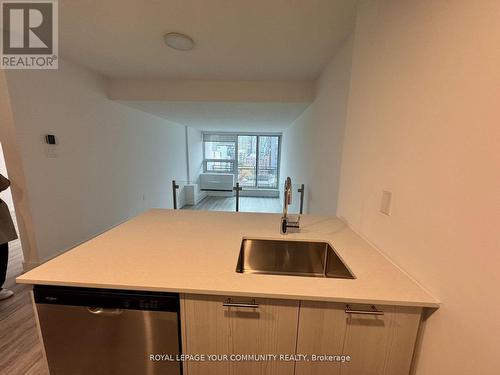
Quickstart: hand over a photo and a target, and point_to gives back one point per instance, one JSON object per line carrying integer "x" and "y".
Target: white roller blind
{"x": 207, "y": 137}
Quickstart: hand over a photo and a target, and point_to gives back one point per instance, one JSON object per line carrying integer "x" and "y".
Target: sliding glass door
{"x": 247, "y": 160}
{"x": 258, "y": 160}
{"x": 268, "y": 160}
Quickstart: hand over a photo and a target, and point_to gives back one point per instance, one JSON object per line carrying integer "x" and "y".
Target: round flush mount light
{"x": 178, "y": 41}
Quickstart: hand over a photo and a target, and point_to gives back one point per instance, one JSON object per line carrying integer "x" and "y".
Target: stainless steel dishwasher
{"x": 100, "y": 331}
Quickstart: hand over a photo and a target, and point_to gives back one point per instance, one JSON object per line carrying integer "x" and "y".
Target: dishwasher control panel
{"x": 106, "y": 298}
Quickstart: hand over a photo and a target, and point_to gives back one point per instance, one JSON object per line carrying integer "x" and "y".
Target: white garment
{"x": 7, "y": 229}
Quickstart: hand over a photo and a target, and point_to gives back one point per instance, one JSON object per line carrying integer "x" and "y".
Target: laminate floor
{"x": 20, "y": 347}
{"x": 247, "y": 204}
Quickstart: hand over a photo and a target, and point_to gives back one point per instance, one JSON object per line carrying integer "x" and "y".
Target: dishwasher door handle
{"x": 104, "y": 312}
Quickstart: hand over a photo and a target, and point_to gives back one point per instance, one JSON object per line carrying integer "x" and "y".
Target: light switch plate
{"x": 385, "y": 205}
{"x": 50, "y": 151}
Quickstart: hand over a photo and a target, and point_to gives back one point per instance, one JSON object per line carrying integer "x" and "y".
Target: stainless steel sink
{"x": 295, "y": 258}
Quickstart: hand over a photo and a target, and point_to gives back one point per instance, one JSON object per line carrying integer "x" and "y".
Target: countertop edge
{"x": 423, "y": 304}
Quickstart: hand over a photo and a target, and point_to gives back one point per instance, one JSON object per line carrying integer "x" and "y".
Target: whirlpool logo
{"x": 29, "y": 34}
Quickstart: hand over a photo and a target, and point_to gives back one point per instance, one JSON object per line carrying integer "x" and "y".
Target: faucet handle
{"x": 288, "y": 190}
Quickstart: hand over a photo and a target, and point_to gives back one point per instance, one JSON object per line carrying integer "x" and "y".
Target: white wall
{"x": 5, "y": 195}
{"x": 113, "y": 162}
{"x": 424, "y": 122}
{"x": 312, "y": 145}
{"x": 220, "y": 91}
{"x": 195, "y": 146}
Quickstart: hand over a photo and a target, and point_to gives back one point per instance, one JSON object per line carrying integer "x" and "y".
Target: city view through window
{"x": 254, "y": 159}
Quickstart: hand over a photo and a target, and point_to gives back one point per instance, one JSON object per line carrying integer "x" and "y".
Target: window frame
{"x": 234, "y": 162}
{"x": 231, "y": 161}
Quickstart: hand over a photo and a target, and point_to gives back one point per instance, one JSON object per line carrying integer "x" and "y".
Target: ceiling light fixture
{"x": 178, "y": 41}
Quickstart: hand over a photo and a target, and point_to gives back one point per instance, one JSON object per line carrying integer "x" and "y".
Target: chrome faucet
{"x": 288, "y": 223}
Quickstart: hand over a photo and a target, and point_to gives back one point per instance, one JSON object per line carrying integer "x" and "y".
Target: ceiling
{"x": 227, "y": 116}
{"x": 255, "y": 40}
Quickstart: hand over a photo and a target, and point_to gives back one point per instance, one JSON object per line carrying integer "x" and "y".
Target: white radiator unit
{"x": 220, "y": 184}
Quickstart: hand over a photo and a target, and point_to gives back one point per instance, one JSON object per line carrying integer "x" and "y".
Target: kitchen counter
{"x": 196, "y": 252}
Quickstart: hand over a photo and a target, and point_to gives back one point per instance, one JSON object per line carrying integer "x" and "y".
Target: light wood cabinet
{"x": 321, "y": 331}
{"x": 376, "y": 344}
{"x": 211, "y": 328}
{"x": 380, "y": 344}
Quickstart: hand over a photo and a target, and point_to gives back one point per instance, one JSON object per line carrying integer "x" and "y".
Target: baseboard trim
{"x": 261, "y": 193}
{"x": 202, "y": 195}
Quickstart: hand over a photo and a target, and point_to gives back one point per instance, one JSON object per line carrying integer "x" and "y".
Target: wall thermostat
{"x": 50, "y": 139}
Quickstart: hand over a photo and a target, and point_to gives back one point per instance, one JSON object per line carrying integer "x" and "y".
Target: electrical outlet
{"x": 385, "y": 205}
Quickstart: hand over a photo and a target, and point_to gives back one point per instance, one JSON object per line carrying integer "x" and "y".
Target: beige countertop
{"x": 196, "y": 252}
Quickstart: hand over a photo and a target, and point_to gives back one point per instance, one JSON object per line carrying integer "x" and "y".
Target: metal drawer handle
{"x": 373, "y": 311}
{"x": 104, "y": 312}
{"x": 229, "y": 303}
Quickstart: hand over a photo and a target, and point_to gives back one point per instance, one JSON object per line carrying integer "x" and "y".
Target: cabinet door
{"x": 376, "y": 344}
{"x": 321, "y": 332}
{"x": 381, "y": 344}
{"x": 211, "y": 328}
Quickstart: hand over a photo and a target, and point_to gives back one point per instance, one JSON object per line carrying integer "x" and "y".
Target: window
{"x": 223, "y": 150}
{"x": 247, "y": 155}
{"x": 219, "y": 151}
{"x": 252, "y": 158}
{"x": 219, "y": 166}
